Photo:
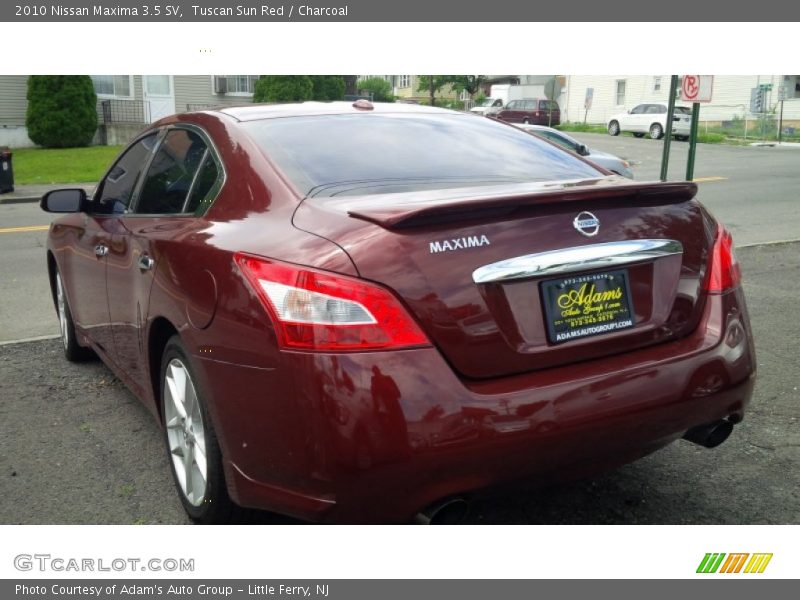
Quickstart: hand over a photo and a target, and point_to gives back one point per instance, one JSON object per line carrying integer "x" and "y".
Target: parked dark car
{"x": 536, "y": 111}
{"x": 356, "y": 313}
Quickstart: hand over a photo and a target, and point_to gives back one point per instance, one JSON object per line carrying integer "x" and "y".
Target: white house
{"x": 617, "y": 93}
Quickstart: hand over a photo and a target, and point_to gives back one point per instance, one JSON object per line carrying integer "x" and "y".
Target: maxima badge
{"x": 587, "y": 224}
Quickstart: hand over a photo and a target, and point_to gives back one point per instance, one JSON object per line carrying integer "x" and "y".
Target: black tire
{"x": 212, "y": 505}
{"x": 73, "y": 351}
{"x": 682, "y": 138}
{"x": 613, "y": 128}
{"x": 526, "y": 121}
{"x": 656, "y": 131}
{"x": 638, "y": 135}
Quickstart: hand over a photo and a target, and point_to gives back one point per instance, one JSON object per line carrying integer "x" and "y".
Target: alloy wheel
{"x": 656, "y": 131}
{"x": 185, "y": 432}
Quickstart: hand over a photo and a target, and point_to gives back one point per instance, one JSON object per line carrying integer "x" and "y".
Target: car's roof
{"x": 255, "y": 112}
{"x": 660, "y": 103}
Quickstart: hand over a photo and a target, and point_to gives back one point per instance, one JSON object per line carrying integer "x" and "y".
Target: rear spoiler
{"x": 399, "y": 211}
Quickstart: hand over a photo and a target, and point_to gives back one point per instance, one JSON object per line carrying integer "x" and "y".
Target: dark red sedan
{"x": 356, "y": 313}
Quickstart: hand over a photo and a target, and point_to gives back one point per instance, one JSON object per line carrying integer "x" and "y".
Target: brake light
{"x": 723, "y": 271}
{"x": 312, "y": 310}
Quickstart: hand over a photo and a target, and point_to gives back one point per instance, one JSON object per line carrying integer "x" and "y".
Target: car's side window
{"x": 115, "y": 192}
{"x": 558, "y": 140}
{"x": 205, "y": 185}
{"x": 638, "y": 110}
{"x": 653, "y": 109}
{"x": 172, "y": 172}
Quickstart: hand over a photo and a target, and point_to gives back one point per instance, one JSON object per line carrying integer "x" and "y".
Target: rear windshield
{"x": 683, "y": 110}
{"x": 333, "y": 155}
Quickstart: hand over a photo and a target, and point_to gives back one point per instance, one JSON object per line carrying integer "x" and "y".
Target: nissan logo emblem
{"x": 587, "y": 224}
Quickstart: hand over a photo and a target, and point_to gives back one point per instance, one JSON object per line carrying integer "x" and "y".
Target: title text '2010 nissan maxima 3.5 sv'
{"x": 356, "y": 313}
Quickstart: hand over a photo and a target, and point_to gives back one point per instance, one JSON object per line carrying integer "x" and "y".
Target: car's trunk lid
{"x": 435, "y": 248}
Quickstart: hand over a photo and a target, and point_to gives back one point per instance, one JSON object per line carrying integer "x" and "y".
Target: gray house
{"x": 126, "y": 103}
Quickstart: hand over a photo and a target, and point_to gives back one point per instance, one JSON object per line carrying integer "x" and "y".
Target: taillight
{"x": 312, "y": 310}
{"x": 723, "y": 270}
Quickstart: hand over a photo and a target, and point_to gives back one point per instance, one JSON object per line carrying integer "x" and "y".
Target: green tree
{"x": 62, "y": 110}
{"x": 328, "y": 87}
{"x": 468, "y": 83}
{"x": 380, "y": 89}
{"x": 433, "y": 84}
{"x": 283, "y": 88}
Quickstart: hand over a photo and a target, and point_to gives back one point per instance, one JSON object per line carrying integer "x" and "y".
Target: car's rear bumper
{"x": 378, "y": 436}
{"x": 681, "y": 128}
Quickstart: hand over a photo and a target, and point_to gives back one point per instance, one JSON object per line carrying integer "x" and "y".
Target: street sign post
{"x": 695, "y": 89}
{"x": 673, "y": 91}
{"x": 587, "y": 103}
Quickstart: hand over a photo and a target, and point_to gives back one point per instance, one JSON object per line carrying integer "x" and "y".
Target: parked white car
{"x": 651, "y": 119}
{"x": 488, "y": 107}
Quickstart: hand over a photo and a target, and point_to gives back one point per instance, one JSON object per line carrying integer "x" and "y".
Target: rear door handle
{"x": 145, "y": 263}
{"x": 100, "y": 250}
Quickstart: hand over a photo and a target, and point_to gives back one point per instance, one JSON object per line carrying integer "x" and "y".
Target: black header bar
{"x": 674, "y": 12}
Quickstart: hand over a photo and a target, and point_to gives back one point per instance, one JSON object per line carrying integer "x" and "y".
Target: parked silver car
{"x": 604, "y": 159}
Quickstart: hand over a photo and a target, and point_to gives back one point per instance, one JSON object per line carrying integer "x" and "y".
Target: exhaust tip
{"x": 711, "y": 435}
{"x": 447, "y": 512}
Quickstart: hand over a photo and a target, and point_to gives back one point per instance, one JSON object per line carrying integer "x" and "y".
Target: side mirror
{"x": 583, "y": 150}
{"x": 64, "y": 201}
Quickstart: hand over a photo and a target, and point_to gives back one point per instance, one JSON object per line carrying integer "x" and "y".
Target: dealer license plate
{"x": 585, "y": 305}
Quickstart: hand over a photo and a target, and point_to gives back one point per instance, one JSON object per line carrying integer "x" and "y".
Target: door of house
{"x": 159, "y": 95}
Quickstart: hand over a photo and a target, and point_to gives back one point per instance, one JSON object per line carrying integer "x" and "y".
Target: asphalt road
{"x": 753, "y": 190}
{"x": 77, "y": 447}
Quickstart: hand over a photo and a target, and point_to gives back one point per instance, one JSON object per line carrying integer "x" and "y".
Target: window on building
{"x": 113, "y": 85}
{"x": 405, "y": 81}
{"x": 241, "y": 85}
{"x": 620, "y": 92}
{"x": 656, "y": 84}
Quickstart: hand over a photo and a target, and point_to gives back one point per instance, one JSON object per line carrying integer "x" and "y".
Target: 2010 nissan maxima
{"x": 362, "y": 313}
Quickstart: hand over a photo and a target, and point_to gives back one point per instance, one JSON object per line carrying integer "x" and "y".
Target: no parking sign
{"x": 697, "y": 88}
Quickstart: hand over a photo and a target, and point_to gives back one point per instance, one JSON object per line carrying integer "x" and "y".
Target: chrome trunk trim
{"x": 576, "y": 259}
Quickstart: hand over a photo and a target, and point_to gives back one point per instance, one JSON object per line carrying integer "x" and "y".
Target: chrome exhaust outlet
{"x": 710, "y": 435}
{"x": 447, "y": 512}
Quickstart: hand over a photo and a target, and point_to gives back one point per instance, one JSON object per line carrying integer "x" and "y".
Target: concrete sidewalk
{"x": 34, "y": 193}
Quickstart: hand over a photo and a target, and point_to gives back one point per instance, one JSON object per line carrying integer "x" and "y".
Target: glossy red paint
{"x": 378, "y": 435}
